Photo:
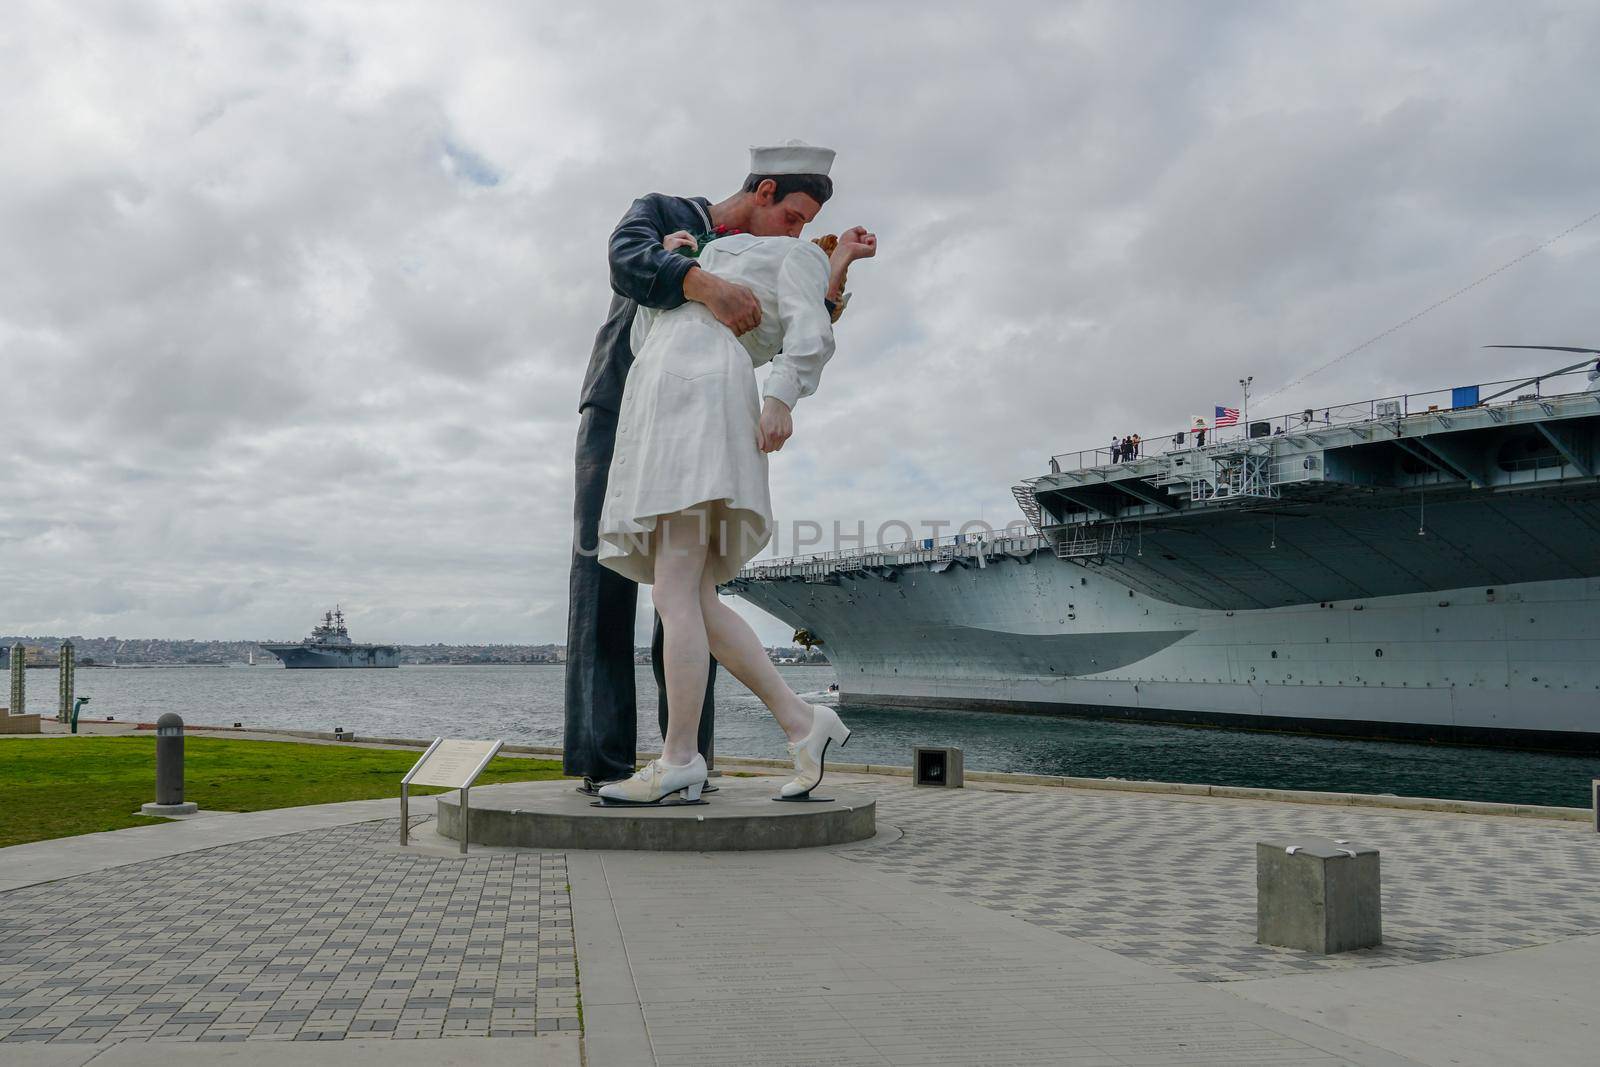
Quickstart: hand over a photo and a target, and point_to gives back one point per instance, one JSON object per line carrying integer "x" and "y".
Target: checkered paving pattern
{"x": 312, "y": 936}
{"x": 1172, "y": 883}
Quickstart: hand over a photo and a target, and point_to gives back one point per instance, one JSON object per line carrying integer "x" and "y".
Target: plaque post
{"x": 453, "y": 764}
{"x": 405, "y": 791}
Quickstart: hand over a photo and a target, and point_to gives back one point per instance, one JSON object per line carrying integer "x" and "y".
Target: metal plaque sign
{"x": 451, "y": 763}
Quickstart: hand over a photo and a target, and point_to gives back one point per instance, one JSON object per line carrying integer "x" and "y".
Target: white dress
{"x": 686, "y": 434}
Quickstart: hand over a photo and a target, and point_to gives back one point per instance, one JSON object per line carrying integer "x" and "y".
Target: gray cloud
{"x": 295, "y": 300}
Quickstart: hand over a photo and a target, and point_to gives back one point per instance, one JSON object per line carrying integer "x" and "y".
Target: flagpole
{"x": 1244, "y": 383}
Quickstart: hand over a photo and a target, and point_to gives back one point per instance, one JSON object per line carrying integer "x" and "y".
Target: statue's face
{"x": 781, "y": 218}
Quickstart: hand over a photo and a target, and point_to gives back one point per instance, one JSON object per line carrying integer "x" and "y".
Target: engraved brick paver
{"x": 1172, "y": 882}
{"x": 319, "y": 935}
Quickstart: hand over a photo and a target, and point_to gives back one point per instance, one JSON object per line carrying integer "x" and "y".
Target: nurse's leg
{"x": 736, "y": 647}
{"x": 708, "y": 707}
{"x": 680, "y": 563}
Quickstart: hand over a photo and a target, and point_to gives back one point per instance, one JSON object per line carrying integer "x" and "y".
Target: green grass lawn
{"x": 60, "y": 786}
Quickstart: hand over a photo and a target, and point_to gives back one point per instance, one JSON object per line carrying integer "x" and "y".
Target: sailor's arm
{"x": 656, "y": 277}
{"x": 734, "y": 306}
{"x": 641, "y": 269}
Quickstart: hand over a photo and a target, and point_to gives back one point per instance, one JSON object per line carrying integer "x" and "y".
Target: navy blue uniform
{"x": 601, "y": 705}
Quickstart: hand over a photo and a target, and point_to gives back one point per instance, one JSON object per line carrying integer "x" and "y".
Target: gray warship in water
{"x": 330, "y": 646}
{"x": 1422, "y": 567}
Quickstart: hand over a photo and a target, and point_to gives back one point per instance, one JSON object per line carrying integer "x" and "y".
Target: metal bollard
{"x": 169, "y": 770}
{"x": 169, "y": 759}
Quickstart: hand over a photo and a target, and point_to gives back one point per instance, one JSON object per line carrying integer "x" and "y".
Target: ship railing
{"x": 821, "y": 566}
{"x": 1311, "y": 420}
{"x": 1090, "y": 542}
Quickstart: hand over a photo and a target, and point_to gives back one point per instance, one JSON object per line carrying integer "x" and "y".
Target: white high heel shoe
{"x": 656, "y": 781}
{"x": 811, "y": 754}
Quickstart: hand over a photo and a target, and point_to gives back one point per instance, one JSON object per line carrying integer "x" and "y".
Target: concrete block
{"x": 1317, "y": 895}
{"x": 19, "y": 724}
{"x": 940, "y": 767}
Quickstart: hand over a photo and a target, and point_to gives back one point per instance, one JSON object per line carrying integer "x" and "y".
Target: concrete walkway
{"x": 791, "y": 958}
{"x": 1049, "y": 926}
{"x": 1527, "y": 1006}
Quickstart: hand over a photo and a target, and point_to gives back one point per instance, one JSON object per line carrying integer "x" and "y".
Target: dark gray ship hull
{"x": 306, "y": 657}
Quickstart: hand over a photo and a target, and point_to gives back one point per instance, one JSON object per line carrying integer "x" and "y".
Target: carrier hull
{"x": 1372, "y": 595}
{"x": 1477, "y": 670}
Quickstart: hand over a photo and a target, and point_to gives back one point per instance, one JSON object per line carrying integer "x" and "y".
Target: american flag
{"x": 1226, "y": 417}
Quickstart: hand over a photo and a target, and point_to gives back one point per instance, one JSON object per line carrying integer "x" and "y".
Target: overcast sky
{"x": 295, "y": 298}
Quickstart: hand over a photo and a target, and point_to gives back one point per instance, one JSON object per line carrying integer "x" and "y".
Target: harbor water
{"x": 523, "y": 705}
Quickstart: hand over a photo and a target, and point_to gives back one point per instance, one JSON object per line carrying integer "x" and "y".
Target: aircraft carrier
{"x": 329, "y": 646}
{"x": 1423, "y": 567}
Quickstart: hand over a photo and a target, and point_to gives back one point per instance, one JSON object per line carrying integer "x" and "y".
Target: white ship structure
{"x": 1423, "y": 567}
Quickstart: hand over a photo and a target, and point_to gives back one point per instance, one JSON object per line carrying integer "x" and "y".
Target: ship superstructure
{"x": 1424, "y": 566}
{"x": 330, "y": 646}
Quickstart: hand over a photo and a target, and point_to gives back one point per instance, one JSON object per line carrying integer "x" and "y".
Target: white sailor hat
{"x": 790, "y": 157}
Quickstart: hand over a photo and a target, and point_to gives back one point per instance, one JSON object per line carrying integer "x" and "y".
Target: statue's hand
{"x": 857, "y": 243}
{"x": 735, "y": 306}
{"x": 776, "y": 425}
{"x": 682, "y": 239}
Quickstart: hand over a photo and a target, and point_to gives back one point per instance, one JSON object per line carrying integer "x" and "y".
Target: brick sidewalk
{"x": 319, "y": 935}
{"x": 1171, "y": 882}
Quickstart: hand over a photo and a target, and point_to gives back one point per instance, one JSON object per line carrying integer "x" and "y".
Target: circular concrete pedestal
{"x": 740, "y": 816}
{"x": 188, "y": 807}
